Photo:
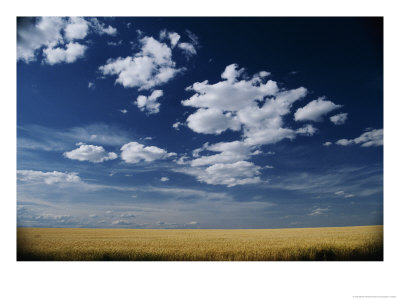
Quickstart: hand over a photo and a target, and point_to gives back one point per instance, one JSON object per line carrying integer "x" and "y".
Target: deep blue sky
{"x": 69, "y": 104}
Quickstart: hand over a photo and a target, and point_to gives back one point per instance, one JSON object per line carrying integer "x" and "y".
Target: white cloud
{"x": 339, "y": 119}
{"x": 33, "y": 34}
{"x": 176, "y": 125}
{"x": 119, "y": 43}
{"x": 122, "y": 222}
{"x": 31, "y": 176}
{"x": 163, "y": 179}
{"x": 319, "y": 212}
{"x": 231, "y": 73}
{"x": 71, "y": 53}
{"x": 213, "y": 121}
{"x": 188, "y": 49}
{"x": 327, "y": 143}
{"x": 230, "y": 152}
{"x": 238, "y": 173}
{"x": 54, "y": 36}
{"x": 77, "y": 28}
{"x": 194, "y": 38}
{"x": 343, "y": 194}
{"x": 124, "y": 111}
{"x": 349, "y": 196}
{"x": 264, "y": 136}
{"x": 95, "y": 154}
{"x": 100, "y": 28}
{"x": 344, "y": 142}
{"x": 91, "y": 85}
{"x": 228, "y": 95}
{"x": 367, "y": 139}
{"x": 315, "y": 110}
{"x": 172, "y": 36}
{"x": 150, "y": 67}
{"x": 149, "y": 103}
{"x": 134, "y": 152}
{"x": 307, "y": 130}
{"x": 229, "y": 174}
{"x": 255, "y": 106}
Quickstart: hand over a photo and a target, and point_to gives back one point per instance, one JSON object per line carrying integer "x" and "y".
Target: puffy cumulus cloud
{"x": 229, "y": 152}
{"x": 367, "y": 139}
{"x": 229, "y": 94}
{"x": 251, "y": 105}
{"x": 76, "y": 28}
{"x": 55, "y": 38}
{"x": 54, "y": 177}
{"x": 164, "y": 179}
{"x": 315, "y": 110}
{"x": 254, "y": 106}
{"x": 151, "y": 66}
{"x": 339, "y": 119}
{"x": 268, "y": 135}
{"x": 188, "y": 49}
{"x": 227, "y": 167}
{"x": 33, "y": 34}
{"x": 69, "y": 54}
{"x": 213, "y": 121}
{"x": 327, "y": 144}
{"x": 229, "y": 174}
{"x": 134, "y": 152}
{"x": 95, "y": 154}
{"x": 264, "y": 125}
{"x": 149, "y": 103}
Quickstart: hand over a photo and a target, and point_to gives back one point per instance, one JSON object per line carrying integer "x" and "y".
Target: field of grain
{"x": 300, "y": 244}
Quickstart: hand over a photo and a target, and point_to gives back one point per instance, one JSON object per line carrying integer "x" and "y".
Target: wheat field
{"x": 363, "y": 243}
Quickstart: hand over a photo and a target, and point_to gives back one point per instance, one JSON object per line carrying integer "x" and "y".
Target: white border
{"x": 135, "y": 280}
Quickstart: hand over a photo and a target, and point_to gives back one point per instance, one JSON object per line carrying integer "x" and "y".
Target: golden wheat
{"x": 334, "y": 243}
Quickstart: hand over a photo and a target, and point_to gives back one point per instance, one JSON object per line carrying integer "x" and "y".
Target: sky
{"x": 199, "y": 122}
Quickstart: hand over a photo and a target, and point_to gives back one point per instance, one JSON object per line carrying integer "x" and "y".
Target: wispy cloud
{"x": 319, "y": 212}
{"x": 367, "y": 139}
{"x": 51, "y": 139}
